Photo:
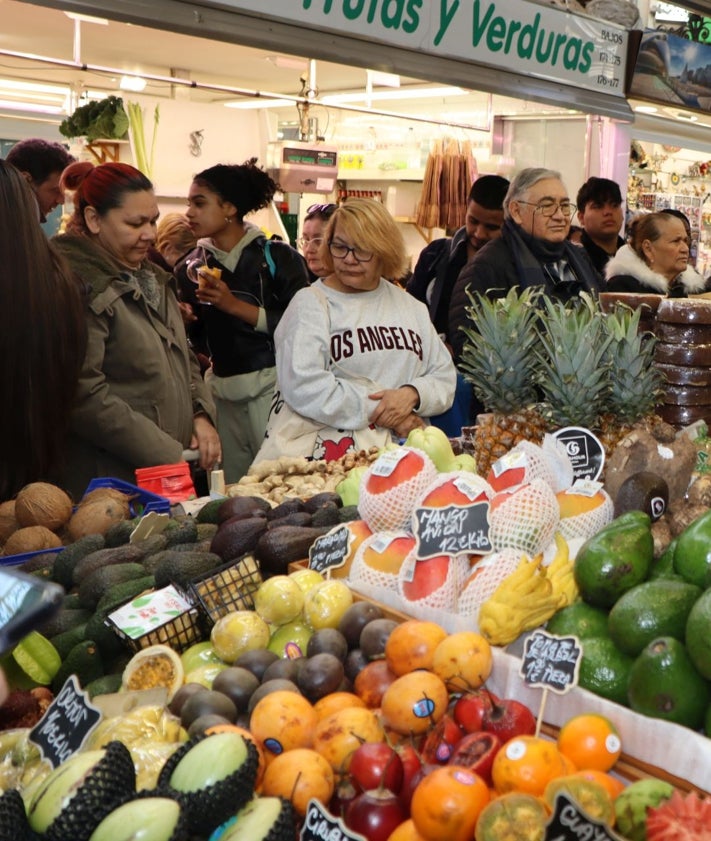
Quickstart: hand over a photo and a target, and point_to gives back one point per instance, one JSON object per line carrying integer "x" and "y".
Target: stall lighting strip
{"x": 266, "y": 95}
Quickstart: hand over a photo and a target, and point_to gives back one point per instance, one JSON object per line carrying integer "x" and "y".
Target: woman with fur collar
{"x": 656, "y": 260}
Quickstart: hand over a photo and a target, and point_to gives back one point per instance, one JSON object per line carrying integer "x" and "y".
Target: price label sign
{"x": 586, "y": 453}
{"x": 331, "y": 549}
{"x": 570, "y": 823}
{"x": 551, "y": 661}
{"x": 452, "y": 530}
{"x": 66, "y": 724}
{"x": 320, "y": 824}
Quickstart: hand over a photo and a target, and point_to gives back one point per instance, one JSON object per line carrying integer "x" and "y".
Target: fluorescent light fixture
{"x": 87, "y": 18}
{"x": 288, "y": 62}
{"x": 401, "y": 93}
{"x": 385, "y": 80}
{"x": 34, "y": 107}
{"x": 132, "y": 83}
{"x": 259, "y": 102}
{"x": 646, "y": 109}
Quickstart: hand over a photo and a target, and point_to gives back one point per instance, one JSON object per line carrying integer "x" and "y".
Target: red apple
{"x": 376, "y": 765}
{"x": 508, "y": 718}
{"x": 441, "y": 741}
{"x": 477, "y": 752}
{"x": 375, "y": 814}
{"x": 469, "y": 710}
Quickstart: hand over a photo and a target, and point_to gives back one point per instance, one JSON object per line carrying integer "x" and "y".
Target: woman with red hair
{"x": 141, "y": 398}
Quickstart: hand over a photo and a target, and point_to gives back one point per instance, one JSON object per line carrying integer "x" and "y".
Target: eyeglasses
{"x": 549, "y": 208}
{"x": 304, "y": 243}
{"x": 341, "y": 251}
{"x": 323, "y": 209}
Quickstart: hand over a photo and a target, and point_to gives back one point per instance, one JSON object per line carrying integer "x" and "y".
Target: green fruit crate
{"x": 228, "y": 588}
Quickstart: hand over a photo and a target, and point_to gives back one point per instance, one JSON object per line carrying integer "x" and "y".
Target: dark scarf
{"x": 538, "y": 263}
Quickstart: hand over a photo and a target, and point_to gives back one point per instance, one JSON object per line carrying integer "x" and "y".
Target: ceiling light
{"x": 385, "y": 80}
{"x": 259, "y": 102}
{"x": 401, "y": 93}
{"x": 34, "y": 107}
{"x": 646, "y": 109}
{"x": 132, "y": 83}
{"x": 87, "y": 18}
{"x": 288, "y": 62}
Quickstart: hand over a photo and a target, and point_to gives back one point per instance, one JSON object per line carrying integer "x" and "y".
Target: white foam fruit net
{"x": 526, "y": 520}
{"x": 588, "y": 523}
{"x": 391, "y": 510}
{"x": 366, "y": 578}
{"x": 547, "y": 463}
{"x": 445, "y": 596}
{"x": 484, "y": 578}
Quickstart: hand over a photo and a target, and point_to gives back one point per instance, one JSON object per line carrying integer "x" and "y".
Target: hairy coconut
{"x": 102, "y": 494}
{"x": 96, "y": 517}
{"x": 42, "y": 504}
{"x": 8, "y": 521}
{"x": 31, "y": 539}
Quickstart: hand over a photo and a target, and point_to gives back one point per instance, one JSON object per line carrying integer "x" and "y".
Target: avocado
{"x": 581, "y": 619}
{"x": 108, "y": 641}
{"x": 181, "y": 568}
{"x": 279, "y": 547}
{"x": 296, "y": 518}
{"x": 698, "y": 639}
{"x": 326, "y": 515}
{"x": 104, "y": 685}
{"x": 83, "y": 661}
{"x": 65, "y": 561}
{"x": 119, "y": 594}
{"x": 105, "y": 557}
{"x": 184, "y": 531}
{"x": 208, "y": 513}
{"x": 643, "y": 491}
{"x": 241, "y": 508}
{"x": 657, "y": 608}
{"x": 604, "y": 669}
{"x": 664, "y": 683}
{"x": 206, "y": 531}
{"x": 41, "y": 564}
{"x": 71, "y": 600}
{"x": 95, "y": 584}
{"x": 64, "y": 620}
{"x": 119, "y": 534}
{"x": 235, "y": 537}
{"x": 292, "y": 505}
{"x": 313, "y": 503}
{"x": 348, "y": 513}
{"x": 66, "y": 641}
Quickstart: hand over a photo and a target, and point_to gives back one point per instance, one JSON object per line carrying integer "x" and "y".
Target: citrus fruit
{"x": 447, "y": 803}
{"x": 528, "y": 764}
{"x": 463, "y": 660}
{"x": 590, "y": 740}
{"x": 412, "y": 644}
{"x": 299, "y": 775}
{"x": 281, "y": 721}
{"x": 414, "y": 702}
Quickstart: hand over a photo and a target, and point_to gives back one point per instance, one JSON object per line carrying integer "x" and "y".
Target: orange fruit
{"x": 299, "y": 775}
{"x": 335, "y": 702}
{"x": 414, "y": 702}
{"x": 528, "y": 764}
{"x": 337, "y": 736}
{"x": 406, "y": 832}
{"x": 463, "y": 660}
{"x": 412, "y": 644}
{"x": 612, "y": 785}
{"x": 590, "y": 740}
{"x": 281, "y": 721}
{"x": 447, "y": 803}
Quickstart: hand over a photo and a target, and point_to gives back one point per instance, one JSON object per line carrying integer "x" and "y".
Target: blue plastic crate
{"x": 17, "y": 560}
{"x": 144, "y": 501}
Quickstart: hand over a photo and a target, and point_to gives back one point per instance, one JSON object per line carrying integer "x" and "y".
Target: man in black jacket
{"x": 600, "y": 213}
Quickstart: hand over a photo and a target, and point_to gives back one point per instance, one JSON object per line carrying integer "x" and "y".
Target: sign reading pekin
{"x": 524, "y": 37}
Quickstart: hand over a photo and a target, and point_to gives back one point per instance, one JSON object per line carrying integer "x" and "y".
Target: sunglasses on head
{"x": 325, "y": 209}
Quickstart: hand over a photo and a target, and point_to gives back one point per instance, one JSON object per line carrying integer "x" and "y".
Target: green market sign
{"x": 523, "y": 37}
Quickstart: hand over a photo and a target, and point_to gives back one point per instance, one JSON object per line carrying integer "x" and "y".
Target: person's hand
{"x": 206, "y": 440}
{"x": 186, "y": 311}
{"x": 215, "y": 292}
{"x": 412, "y": 421}
{"x": 395, "y": 405}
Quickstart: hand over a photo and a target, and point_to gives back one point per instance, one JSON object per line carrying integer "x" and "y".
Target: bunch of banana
{"x": 560, "y": 573}
{"x": 524, "y": 600}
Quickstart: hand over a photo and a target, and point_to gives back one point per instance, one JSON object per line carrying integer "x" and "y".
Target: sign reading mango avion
{"x": 520, "y": 36}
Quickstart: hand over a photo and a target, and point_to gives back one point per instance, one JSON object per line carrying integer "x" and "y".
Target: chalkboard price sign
{"x": 569, "y": 823}
{"x": 66, "y": 724}
{"x": 320, "y": 824}
{"x": 330, "y": 550}
{"x": 551, "y": 661}
{"x": 452, "y": 530}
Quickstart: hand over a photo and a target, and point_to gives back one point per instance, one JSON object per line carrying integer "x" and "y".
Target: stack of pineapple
{"x": 538, "y": 365}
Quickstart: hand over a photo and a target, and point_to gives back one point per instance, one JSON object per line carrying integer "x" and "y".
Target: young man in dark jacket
{"x": 600, "y": 214}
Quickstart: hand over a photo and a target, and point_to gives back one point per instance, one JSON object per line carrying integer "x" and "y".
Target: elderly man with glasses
{"x": 533, "y": 250}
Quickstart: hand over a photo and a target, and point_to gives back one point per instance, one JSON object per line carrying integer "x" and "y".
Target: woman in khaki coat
{"x": 141, "y": 399}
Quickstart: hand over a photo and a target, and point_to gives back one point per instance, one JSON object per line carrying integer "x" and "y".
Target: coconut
{"x": 42, "y": 504}
{"x": 96, "y": 517}
{"x": 31, "y": 539}
{"x": 8, "y": 521}
{"x": 102, "y": 494}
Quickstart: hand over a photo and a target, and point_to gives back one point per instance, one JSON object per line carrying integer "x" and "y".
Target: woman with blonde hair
{"x": 174, "y": 238}
{"x": 356, "y": 354}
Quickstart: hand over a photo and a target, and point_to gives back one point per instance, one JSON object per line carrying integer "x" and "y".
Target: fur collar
{"x": 627, "y": 262}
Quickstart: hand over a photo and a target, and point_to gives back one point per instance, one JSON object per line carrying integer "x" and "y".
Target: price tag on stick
{"x": 66, "y": 724}
{"x": 569, "y": 823}
{"x": 552, "y": 662}
{"x": 331, "y": 549}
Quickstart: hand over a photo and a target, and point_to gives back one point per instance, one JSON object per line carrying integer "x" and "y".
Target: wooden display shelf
{"x": 106, "y": 150}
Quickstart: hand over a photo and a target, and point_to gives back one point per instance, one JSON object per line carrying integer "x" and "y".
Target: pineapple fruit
{"x": 538, "y": 364}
